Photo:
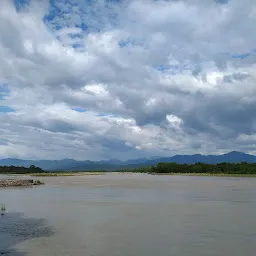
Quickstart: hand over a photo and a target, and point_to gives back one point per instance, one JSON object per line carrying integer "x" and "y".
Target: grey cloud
{"x": 211, "y": 92}
{"x": 235, "y": 77}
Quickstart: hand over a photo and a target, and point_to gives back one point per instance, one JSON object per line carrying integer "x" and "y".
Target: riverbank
{"x": 208, "y": 174}
{"x": 19, "y": 183}
{"x": 67, "y": 174}
{"x": 91, "y": 173}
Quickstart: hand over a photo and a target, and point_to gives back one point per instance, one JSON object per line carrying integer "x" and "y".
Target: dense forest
{"x": 222, "y": 168}
{"x": 20, "y": 169}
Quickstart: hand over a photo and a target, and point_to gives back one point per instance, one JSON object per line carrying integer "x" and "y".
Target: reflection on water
{"x": 15, "y": 228}
{"x": 132, "y": 214}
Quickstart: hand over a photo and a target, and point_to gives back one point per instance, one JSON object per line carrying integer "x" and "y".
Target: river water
{"x": 130, "y": 215}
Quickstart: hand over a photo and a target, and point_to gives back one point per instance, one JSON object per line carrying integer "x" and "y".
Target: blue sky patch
{"x": 173, "y": 68}
{"x": 126, "y": 43}
{"x": 21, "y": 4}
{"x": 107, "y": 114}
{"x": 241, "y": 56}
{"x": 79, "y": 109}
{"x": 102, "y": 114}
{"x": 4, "y": 91}
{"x": 88, "y": 15}
{"x": 6, "y": 109}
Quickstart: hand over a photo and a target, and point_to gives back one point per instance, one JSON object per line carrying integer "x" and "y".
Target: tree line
{"x": 197, "y": 168}
{"x": 20, "y": 169}
{"x": 221, "y": 168}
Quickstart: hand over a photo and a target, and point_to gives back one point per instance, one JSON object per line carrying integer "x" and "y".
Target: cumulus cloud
{"x": 122, "y": 79}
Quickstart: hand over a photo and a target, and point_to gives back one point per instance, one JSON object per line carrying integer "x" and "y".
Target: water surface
{"x": 131, "y": 215}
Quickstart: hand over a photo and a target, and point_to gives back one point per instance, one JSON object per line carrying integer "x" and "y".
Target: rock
{"x": 19, "y": 183}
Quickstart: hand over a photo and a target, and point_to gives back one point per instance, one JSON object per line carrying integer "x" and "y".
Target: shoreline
{"x": 70, "y": 174}
{"x": 64, "y": 174}
{"x": 208, "y": 174}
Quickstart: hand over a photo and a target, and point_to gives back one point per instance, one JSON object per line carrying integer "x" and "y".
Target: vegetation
{"x": 3, "y": 209}
{"x": 20, "y": 170}
{"x": 233, "y": 169}
{"x": 201, "y": 168}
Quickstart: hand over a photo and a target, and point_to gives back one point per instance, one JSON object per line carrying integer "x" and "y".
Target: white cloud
{"x": 97, "y": 89}
{"x": 155, "y": 78}
{"x": 174, "y": 121}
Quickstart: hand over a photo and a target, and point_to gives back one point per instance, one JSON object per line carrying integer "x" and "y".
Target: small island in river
{"x": 19, "y": 183}
{"x": 10, "y": 170}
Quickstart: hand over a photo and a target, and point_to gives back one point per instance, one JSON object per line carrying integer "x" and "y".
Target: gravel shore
{"x": 19, "y": 183}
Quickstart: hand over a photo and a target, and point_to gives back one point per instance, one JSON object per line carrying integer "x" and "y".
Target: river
{"x": 130, "y": 215}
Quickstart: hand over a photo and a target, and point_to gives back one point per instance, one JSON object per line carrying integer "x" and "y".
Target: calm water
{"x": 130, "y": 215}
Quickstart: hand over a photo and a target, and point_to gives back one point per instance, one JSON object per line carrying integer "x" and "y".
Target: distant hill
{"x": 231, "y": 157}
{"x": 114, "y": 164}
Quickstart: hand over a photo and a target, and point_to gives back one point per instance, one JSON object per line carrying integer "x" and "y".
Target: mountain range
{"x": 114, "y": 164}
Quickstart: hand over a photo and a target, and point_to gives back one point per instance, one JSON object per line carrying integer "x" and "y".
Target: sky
{"x": 102, "y": 79}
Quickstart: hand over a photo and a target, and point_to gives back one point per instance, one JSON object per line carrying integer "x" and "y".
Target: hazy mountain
{"x": 231, "y": 157}
{"x": 114, "y": 164}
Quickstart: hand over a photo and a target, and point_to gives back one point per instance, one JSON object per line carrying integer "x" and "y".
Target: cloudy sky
{"x": 100, "y": 79}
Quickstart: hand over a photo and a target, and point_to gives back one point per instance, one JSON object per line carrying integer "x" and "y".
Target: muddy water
{"x": 130, "y": 215}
